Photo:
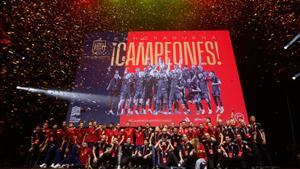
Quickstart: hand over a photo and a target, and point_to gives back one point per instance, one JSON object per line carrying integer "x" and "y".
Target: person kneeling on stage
{"x": 128, "y": 153}
{"x": 166, "y": 157}
{"x": 144, "y": 155}
{"x": 187, "y": 153}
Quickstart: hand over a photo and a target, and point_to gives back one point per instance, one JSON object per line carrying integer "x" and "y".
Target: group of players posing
{"x": 229, "y": 144}
{"x": 159, "y": 88}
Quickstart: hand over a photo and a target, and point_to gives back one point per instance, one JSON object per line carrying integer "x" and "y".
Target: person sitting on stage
{"x": 144, "y": 155}
{"x": 166, "y": 157}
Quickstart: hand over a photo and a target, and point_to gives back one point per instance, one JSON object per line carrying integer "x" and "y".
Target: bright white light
{"x": 72, "y": 96}
{"x": 296, "y": 76}
{"x": 292, "y": 41}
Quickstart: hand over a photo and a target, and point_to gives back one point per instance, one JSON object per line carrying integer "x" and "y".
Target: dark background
{"x": 42, "y": 42}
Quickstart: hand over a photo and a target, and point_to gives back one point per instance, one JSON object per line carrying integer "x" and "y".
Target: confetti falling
{"x": 42, "y": 41}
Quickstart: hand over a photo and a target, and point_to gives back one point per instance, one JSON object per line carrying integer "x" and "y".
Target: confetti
{"x": 42, "y": 42}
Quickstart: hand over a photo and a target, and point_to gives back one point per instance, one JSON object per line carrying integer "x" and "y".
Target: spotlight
{"x": 72, "y": 96}
{"x": 296, "y": 76}
{"x": 292, "y": 41}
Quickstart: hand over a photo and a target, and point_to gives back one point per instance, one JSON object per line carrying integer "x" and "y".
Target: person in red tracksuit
{"x": 129, "y": 131}
{"x": 139, "y": 138}
{"x": 91, "y": 135}
{"x": 85, "y": 155}
{"x": 190, "y": 133}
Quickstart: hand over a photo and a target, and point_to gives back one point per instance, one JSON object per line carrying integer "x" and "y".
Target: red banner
{"x": 210, "y": 49}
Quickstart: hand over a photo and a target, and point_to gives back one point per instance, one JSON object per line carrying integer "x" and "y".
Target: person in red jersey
{"x": 80, "y": 133}
{"x": 210, "y": 129}
{"x": 91, "y": 135}
{"x": 173, "y": 125}
{"x": 100, "y": 131}
{"x": 85, "y": 155}
{"x": 50, "y": 145}
{"x": 64, "y": 142}
{"x": 195, "y": 131}
{"x": 201, "y": 132}
{"x": 147, "y": 132}
{"x": 71, "y": 133}
{"x": 190, "y": 133}
{"x": 119, "y": 133}
{"x": 182, "y": 127}
{"x": 201, "y": 154}
{"x": 139, "y": 138}
{"x": 95, "y": 124}
{"x": 207, "y": 120}
{"x": 129, "y": 131}
{"x": 108, "y": 132}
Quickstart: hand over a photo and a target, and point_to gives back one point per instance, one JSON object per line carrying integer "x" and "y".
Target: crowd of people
{"x": 228, "y": 144}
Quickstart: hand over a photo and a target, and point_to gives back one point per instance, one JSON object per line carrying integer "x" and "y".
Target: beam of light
{"x": 296, "y": 76}
{"x": 71, "y": 96}
{"x": 292, "y": 41}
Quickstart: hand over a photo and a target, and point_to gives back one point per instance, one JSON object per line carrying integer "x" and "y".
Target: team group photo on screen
{"x": 159, "y": 90}
{"x": 149, "y": 84}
